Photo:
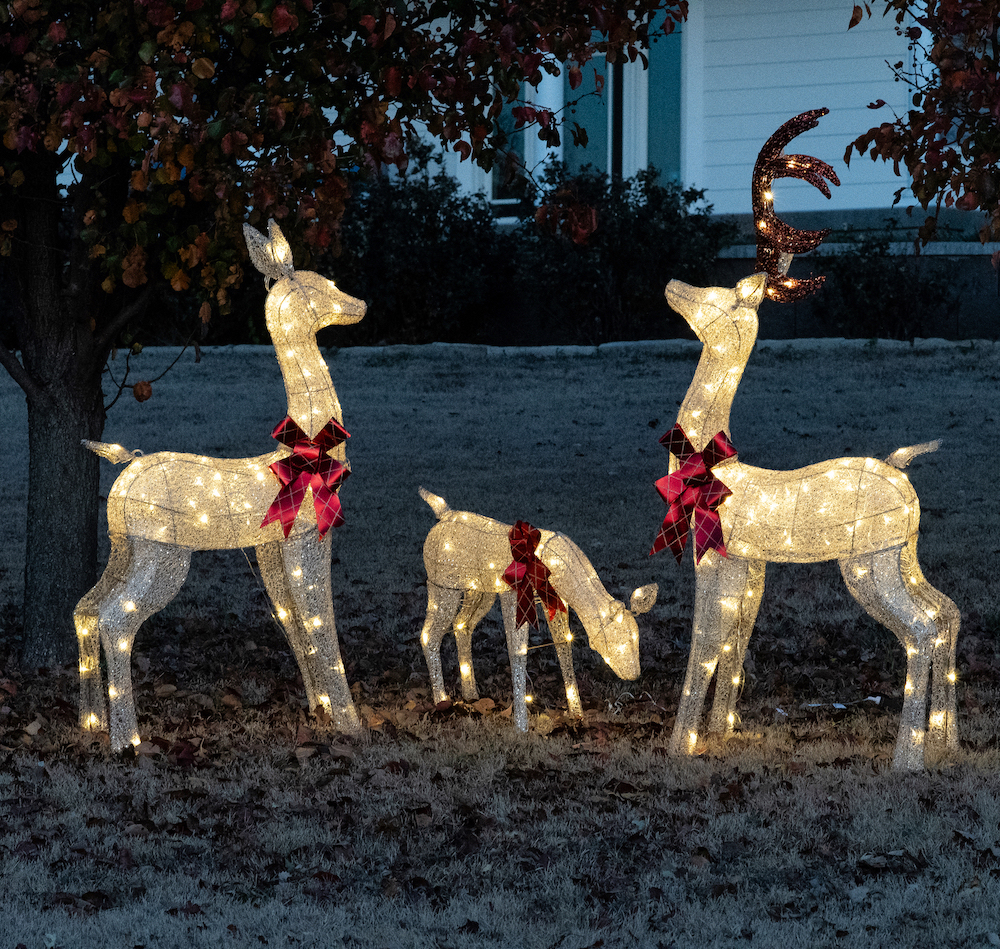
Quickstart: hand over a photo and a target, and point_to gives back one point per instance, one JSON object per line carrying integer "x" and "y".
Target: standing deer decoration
{"x": 165, "y": 505}
{"x": 862, "y": 512}
{"x": 469, "y": 564}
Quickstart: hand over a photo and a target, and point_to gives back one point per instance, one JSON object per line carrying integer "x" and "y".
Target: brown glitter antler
{"x": 776, "y": 240}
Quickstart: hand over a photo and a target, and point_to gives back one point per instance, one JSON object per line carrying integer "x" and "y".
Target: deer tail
{"x": 901, "y": 457}
{"x": 438, "y": 505}
{"x": 113, "y": 453}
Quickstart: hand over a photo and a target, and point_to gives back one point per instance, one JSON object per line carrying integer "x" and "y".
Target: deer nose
{"x": 352, "y": 310}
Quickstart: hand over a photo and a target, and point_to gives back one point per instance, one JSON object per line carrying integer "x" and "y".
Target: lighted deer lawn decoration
{"x": 467, "y": 557}
{"x": 861, "y": 512}
{"x": 165, "y": 505}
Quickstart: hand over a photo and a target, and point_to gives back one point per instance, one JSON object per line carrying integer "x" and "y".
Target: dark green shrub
{"x": 873, "y": 293}
{"x": 427, "y": 259}
{"x": 611, "y": 287}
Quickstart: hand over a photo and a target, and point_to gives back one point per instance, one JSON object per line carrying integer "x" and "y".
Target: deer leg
{"x": 442, "y": 607}
{"x": 151, "y": 575}
{"x": 306, "y": 562}
{"x": 735, "y": 638}
{"x": 942, "y": 730}
{"x": 720, "y": 585}
{"x": 475, "y": 606}
{"x": 517, "y": 650}
{"x": 888, "y": 585}
{"x": 272, "y": 571}
{"x": 562, "y": 639}
{"x": 93, "y": 699}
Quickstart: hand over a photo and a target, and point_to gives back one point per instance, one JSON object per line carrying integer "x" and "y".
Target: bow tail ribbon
{"x": 529, "y": 577}
{"x": 308, "y": 466}
{"x": 693, "y": 494}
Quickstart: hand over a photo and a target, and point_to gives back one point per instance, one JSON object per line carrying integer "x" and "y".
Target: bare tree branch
{"x": 18, "y": 373}
{"x": 105, "y": 338}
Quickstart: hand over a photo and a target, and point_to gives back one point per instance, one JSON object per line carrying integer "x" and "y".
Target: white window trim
{"x": 693, "y": 94}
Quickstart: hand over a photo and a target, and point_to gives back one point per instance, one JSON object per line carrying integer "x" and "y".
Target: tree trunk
{"x": 61, "y": 533}
{"x": 60, "y": 372}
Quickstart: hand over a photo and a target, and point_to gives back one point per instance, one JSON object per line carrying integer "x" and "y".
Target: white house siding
{"x": 749, "y": 66}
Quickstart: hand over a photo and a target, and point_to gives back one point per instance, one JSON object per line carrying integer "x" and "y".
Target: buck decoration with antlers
{"x": 163, "y": 506}
{"x": 861, "y": 512}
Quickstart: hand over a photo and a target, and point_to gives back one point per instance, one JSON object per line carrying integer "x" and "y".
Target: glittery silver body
{"x": 165, "y": 505}
{"x": 466, "y": 555}
{"x": 862, "y": 512}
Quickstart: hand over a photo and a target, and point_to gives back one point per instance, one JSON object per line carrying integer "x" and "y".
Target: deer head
{"x": 776, "y": 240}
{"x": 299, "y": 301}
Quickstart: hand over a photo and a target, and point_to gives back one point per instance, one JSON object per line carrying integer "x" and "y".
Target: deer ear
{"x": 280, "y": 248}
{"x": 750, "y": 290}
{"x": 643, "y": 599}
{"x": 270, "y": 255}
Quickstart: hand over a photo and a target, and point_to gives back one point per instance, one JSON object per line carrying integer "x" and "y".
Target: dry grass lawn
{"x": 238, "y": 824}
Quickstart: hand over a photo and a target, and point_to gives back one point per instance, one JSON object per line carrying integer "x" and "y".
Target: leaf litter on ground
{"x": 240, "y": 817}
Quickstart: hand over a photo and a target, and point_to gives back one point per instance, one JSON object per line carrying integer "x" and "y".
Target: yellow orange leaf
{"x": 180, "y": 281}
{"x": 205, "y": 313}
{"x": 203, "y": 68}
{"x": 134, "y": 267}
{"x": 133, "y": 211}
{"x": 53, "y": 138}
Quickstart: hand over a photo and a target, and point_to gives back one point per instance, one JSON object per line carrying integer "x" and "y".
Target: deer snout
{"x": 341, "y": 308}
{"x": 352, "y": 310}
{"x": 698, "y": 306}
{"x": 326, "y": 302}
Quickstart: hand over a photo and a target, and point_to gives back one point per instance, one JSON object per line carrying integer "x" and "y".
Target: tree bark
{"x": 61, "y": 532}
{"x": 60, "y": 372}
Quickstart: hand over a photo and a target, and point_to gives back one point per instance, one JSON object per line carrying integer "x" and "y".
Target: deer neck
{"x": 312, "y": 400}
{"x": 709, "y": 399}
{"x": 576, "y": 581}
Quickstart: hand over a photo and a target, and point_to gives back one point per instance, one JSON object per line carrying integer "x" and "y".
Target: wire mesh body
{"x": 465, "y": 556}
{"x": 165, "y": 505}
{"x": 861, "y": 512}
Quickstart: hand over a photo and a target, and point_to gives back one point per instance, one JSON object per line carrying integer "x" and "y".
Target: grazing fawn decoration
{"x": 165, "y": 505}
{"x": 861, "y": 512}
{"x": 467, "y": 555}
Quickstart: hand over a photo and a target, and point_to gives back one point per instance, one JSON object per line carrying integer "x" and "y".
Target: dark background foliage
{"x": 433, "y": 264}
{"x": 611, "y": 286}
{"x": 429, "y": 261}
{"x": 871, "y": 292}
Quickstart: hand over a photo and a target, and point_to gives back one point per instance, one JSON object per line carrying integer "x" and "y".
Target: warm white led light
{"x": 466, "y": 554}
{"x": 859, "y": 511}
{"x": 170, "y": 504}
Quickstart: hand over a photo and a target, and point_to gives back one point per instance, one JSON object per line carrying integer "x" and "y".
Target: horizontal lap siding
{"x": 764, "y": 63}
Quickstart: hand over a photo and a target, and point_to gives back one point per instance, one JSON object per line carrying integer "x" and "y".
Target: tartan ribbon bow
{"x": 693, "y": 495}
{"x": 308, "y": 466}
{"x": 528, "y": 576}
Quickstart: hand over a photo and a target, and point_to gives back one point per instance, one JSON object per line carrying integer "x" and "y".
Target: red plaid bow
{"x": 528, "y": 576}
{"x": 693, "y": 494}
{"x": 308, "y": 466}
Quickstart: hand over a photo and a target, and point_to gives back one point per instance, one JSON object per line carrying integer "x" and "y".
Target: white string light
{"x": 163, "y": 506}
